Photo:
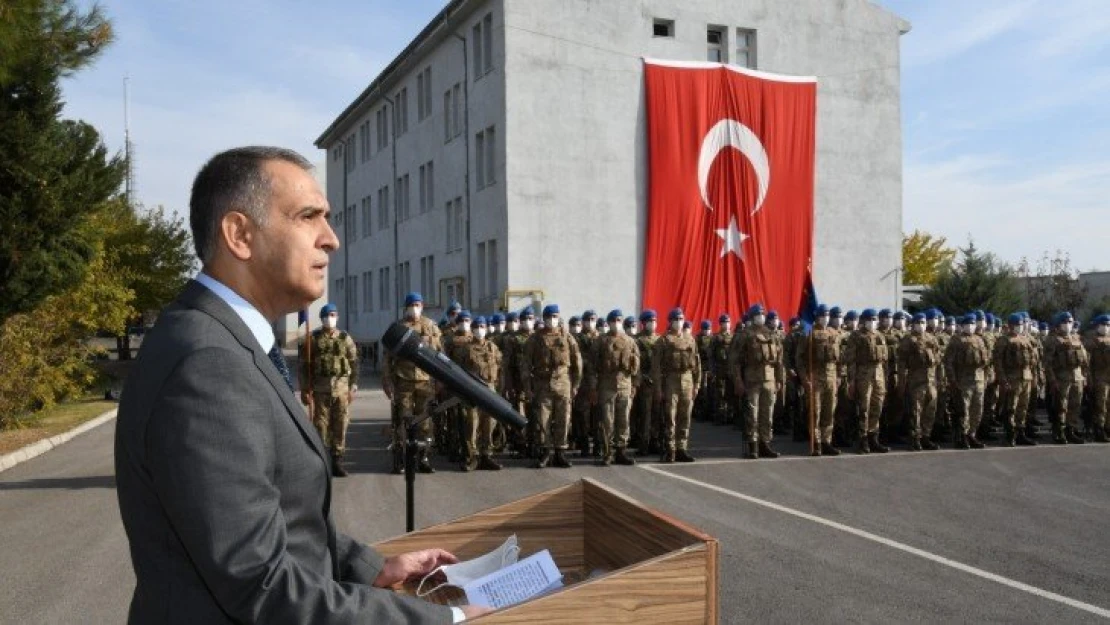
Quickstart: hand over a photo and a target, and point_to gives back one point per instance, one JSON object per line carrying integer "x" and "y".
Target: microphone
{"x": 404, "y": 343}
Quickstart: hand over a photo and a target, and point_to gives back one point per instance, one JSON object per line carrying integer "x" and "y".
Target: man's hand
{"x": 474, "y": 611}
{"x": 411, "y": 565}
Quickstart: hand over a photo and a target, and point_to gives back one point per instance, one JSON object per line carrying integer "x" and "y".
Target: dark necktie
{"x": 278, "y": 359}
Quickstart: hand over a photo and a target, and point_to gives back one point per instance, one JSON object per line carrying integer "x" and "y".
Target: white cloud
{"x": 954, "y": 30}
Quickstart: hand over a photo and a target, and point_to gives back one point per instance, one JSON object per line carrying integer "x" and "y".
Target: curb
{"x": 8, "y": 461}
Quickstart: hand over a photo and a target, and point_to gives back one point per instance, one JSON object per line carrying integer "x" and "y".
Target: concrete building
{"x": 501, "y": 156}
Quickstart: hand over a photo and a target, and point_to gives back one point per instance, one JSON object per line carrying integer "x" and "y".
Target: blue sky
{"x": 1006, "y": 103}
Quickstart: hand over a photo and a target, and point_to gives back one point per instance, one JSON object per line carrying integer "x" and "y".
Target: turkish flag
{"x": 730, "y": 215}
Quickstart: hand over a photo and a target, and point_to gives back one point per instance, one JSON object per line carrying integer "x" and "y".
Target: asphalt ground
{"x": 998, "y": 535}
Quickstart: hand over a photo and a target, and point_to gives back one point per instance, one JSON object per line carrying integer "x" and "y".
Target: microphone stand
{"x": 413, "y": 446}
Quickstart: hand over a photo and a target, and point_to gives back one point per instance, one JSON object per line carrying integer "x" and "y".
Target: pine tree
{"x": 55, "y": 174}
{"x": 977, "y": 281}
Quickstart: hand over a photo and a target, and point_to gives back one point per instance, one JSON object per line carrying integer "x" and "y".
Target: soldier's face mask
{"x": 514, "y": 326}
{"x": 900, "y": 324}
{"x": 1065, "y": 328}
{"x": 589, "y": 324}
{"x": 602, "y": 327}
{"x": 759, "y": 320}
{"x": 529, "y": 324}
{"x": 616, "y": 327}
{"x": 930, "y": 323}
{"x": 851, "y": 325}
{"x": 632, "y": 331}
{"x": 500, "y": 327}
{"x": 1018, "y": 329}
{"x": 969, "y": 328}
{"x": 884, "y": 323}
{"x": 551, "y": 322}
{"x": 650, "y": 327}
{"x": 919, "y": 327}
{"x": 836, "y": 322}
{"x": 1034, "y": 330}
{"x": 463, "y": 326}
{"x": 480, "y": 332}
{"x": 726, "y": 326}
{"x": 575, "y": 329}
{"x": 676, "y": 325}
{"x": 331, "y": 320}
{"x": 413, "y": 312}
{"x": 1103, "y": 330}
{"x": 822, "y": 321}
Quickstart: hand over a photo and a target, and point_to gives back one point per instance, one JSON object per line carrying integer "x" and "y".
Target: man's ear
{"x": 237, "y": 232}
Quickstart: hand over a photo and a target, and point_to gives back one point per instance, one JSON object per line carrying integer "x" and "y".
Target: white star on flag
{"x": 732, "y": 239}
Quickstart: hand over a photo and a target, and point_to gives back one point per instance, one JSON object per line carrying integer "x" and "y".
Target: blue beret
{"x": 463, "y": 314}
{"x": 724, "y": 318}
{"x": 980, "y": 315}
{"x": 574, "y": 321}
{"x": 756, "y": 309}
{"x": 512, "y": 317}
{"x": 951, "y": 320}
{"x": 413, "y": 298}
{"x": 1043, "y": 326}
{"x": 772, "y": 315}
{"x": 527, "y": 311}
{"x": 686, "y": 325}
{"x": 919, "y": 317}
{"x": 901, "y": 314}
{"x": 647, "y": 315}
{"x": 851, "y": 315}
{"x": 1101, "y": 320}
{"x": 885, "y": 313}
{"x": 630, "y": 321}
{"x": 868, "y": 313}
{"x": 970, "y": 318}
{"x": 1016, "y": 319}
{"x": 835, "y": 311}
{"x": 550, "y": 309}
{"x": 453, "y": 307}
{"x": 1062, "y": 317}
{"x": 990, "y": 318}
{"x": 479, "y": 321}
{"x": 589, "y": 314}
{"x": 795, "y": 320}
{"x": 705, "y": 325}
{"x": 614, "y": 315}
{"x": 676, "y": 313}
{"x": 497, "y": 318}
{"x": 931, "y": 313}
{"x": 821, "y": 311}
{"x": 328, "y": 309}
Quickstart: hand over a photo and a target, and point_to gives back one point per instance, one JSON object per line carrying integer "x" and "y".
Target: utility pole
{"x": 128, "y": 148}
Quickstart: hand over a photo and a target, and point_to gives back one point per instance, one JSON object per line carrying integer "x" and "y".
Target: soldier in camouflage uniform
{"x": 817, "y": 357}
{"x": 756, "y": 365}
{"x": 867, "y": 356}
{"x": 893, "y": 426}
{"x": 1098, "y": 351}
{"x": 481, "y": 357}
{"x": 676, "y": 374}
{"x": 551, "y": 370}
{"x": 939, "y": 329}
{"x": 512, "y": 350}
{"x": 449, "y": 424}
{"x": 795, "y": 409}
{"x": 702, "y": 403}
{"x": 408, "y": 387}
{"x": 1015, "y": 362}
{"x": 918, "y": 356}
{"x": 613, "y": 376}
{"x": 646, "y": 407}
{"x": 582, "y": 421}
{"x": 328, "y": 380}
{"x": 985, "y": 329}
{"x": 965, "y": 366}
{"x": 1065, "y": 358}
{"x": 724, "y": 397}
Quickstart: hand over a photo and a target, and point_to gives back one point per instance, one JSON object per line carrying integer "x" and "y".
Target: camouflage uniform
{"x": 550, "y": 372}
{"x": 482, "y": 358}
{"x": 918, "y": 356}
{"x": 411, "y": 390}
{"x": 893, "y": 409}
{"x": 795, "y": 412}
{"x": 867, "y": 354}
{"x": 582, "y": 421}
{"x": 1015, "y": 360}
{"x": 334, "y": 370}
{"x": 757, "y": 365}
{"x": 945, "y": 399}
{"x": 676, "y": 375}
{"x": 645, "y": 407}
{"x": 702, "y": 403}
{"x": 965, "y": 366}
{"x": 1065, "y": 358}
{"x": 613, "y": 375}
{"x": 1098, "y": 349}
{"x": 724, "y": 397}
{"x": 818, "y": 359}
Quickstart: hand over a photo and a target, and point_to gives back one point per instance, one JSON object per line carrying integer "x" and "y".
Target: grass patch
{"x": 59, "y": 419}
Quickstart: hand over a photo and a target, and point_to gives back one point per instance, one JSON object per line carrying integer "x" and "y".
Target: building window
{"x": 455, "y": 225}
{"x": 424, "y": 94}
{"x": 383, "y": 208}
{"x": 366, "y": 217}
{"x": 718, "y": 47}
{"x": 362, "y": 142}
{"x": 491, "y": 266}
{"x": 401, "y": 199}
{"x": 383, "y": 129}
{"x": 351, "y": 228}
{"x": 662, "y": 28}
{"x": 354, "y": 304}
{"x": 452, "y": 112}
{"x": 745, "y": 48}
{"x": 427, "y": 187}
{"x": 336, "y": 152}
{"x": 482, "y": 269}
{"x": 428, "y": 278}
{"x": 483, "y": 46}
{"x": 404, "y": 278}
{"x": 349, "y": 150}
{"x": 485, "y": 147}
{"x": 401, "y": 112}
{"x": 383, "y": 288}
{"x": 447, "y": 130}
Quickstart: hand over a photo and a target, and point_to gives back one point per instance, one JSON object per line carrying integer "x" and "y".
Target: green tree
{"x": 977, "y": 281}
{"x": 54, "y": 174}
{"x": 1053, "y": 286}
{"x": 924, "y": 257}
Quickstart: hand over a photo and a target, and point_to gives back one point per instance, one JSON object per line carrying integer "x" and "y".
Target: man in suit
{"x": 223, "y": 483}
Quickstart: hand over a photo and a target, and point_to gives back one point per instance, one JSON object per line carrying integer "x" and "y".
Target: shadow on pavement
{"x": 62, "y": 483}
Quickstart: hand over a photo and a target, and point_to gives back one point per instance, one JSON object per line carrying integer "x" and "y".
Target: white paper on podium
{"x": 528, "y": 578}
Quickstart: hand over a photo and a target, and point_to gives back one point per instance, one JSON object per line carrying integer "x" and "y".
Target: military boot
{"x": 337, "y": 469}
{"x": 963, "y": 442}
{"x": 752, "y": 453}
{"x": 424, "y": 465}
{"x": 974, "y": 441}
{"x": 1024, "y": 441}
{"x": 876, "y": 446}
{"x": 827, "y": 449}
{"x": 916, "y": 444}
{"x": 765, "y": 451}
{"x": 682, "y": 455}
{"x": 816, "y": 453}
{"x": 398, "y": 459}
{"x": 468, "y": 464}
{"x": 1100, "y": 436}
{"x": 928, "y": 444}
{"x": 667, "y": 457}
{"x": 1073, "y": 437}
{"x": 1058, "y": 434}
{"x": 622, "y": 458}
{"x": 487, "y": 463}
{"x": 864, "y": 445}
{"x": 561, "y": 460}
{"x": 544, "y": 459}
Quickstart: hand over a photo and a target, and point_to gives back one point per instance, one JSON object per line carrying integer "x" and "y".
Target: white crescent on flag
{"x": 731, "y": 133}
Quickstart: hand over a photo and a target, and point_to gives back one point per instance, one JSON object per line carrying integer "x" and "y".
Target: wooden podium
{"x": 621, "y": 562}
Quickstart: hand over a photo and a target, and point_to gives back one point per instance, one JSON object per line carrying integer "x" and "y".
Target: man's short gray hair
{"x": 233, "y": 180}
